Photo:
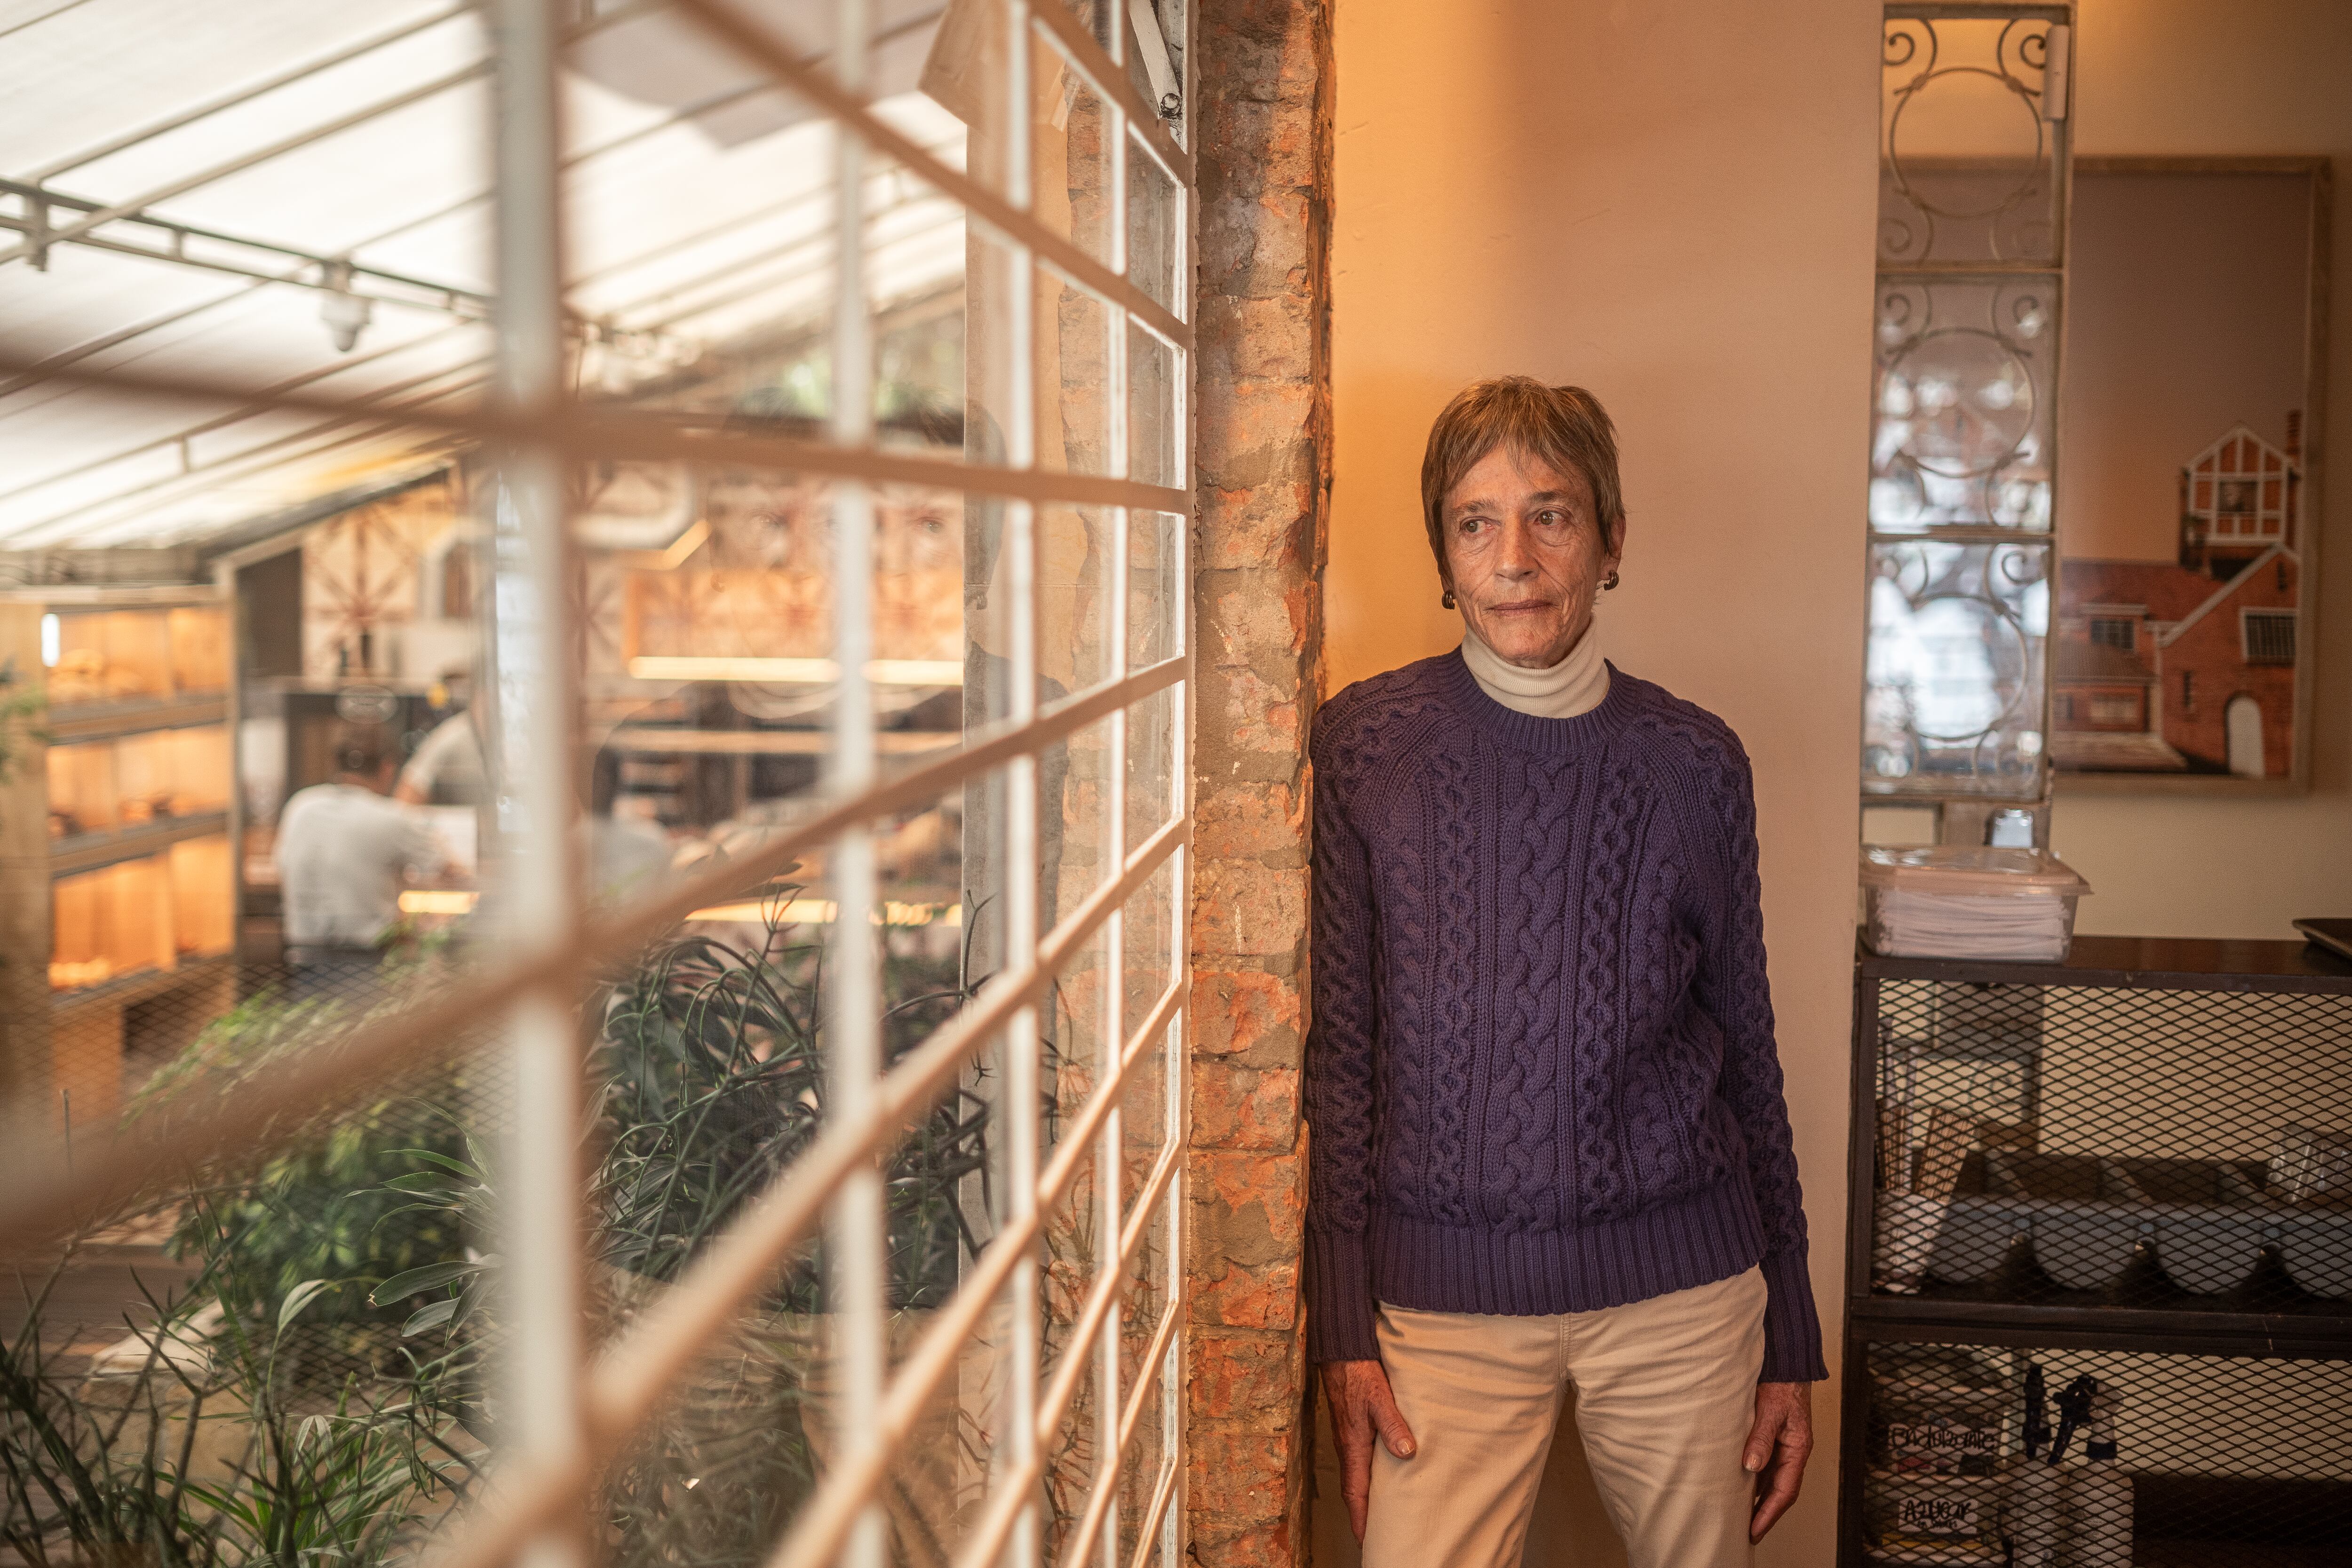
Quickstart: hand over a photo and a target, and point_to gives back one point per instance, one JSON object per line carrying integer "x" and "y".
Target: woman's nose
{"x": 1517, "y": 557}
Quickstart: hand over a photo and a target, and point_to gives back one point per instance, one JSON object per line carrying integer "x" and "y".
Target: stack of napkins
{"x": 1961, "y": 902}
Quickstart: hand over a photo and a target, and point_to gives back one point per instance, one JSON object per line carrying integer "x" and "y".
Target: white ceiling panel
{"x": 699, "y": 213}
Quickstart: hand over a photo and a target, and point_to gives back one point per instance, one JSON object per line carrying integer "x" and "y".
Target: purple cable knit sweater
{"x": 1542, "y": 1076}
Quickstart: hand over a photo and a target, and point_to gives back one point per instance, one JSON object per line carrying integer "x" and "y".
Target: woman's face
{"x": 1524, "y": 547}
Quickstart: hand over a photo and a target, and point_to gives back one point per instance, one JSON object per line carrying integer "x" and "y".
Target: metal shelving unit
{"x": 2133, "y": 1169}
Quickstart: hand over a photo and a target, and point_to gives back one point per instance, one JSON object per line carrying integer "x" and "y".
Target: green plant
{"x": 713, "y": 1063}
{"x": 328, "y": 1205}
{"x": 337, "y": 1484}
{"x": 21, "y": 704}
{"x": 93, "y": 1484}
{"x": 218, "y": 1454}
{"x": 710, "y": 1063}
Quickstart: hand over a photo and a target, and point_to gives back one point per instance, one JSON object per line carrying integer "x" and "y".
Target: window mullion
{"x": 1110, "y": 1156}
{"x": 855, "y": 1237}
{"x": 1019, "y": 1104}
{"x": 533, "y": 716}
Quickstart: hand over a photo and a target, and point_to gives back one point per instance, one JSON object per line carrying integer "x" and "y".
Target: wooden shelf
{"x": 121, "y": 990}
{"x": 88, "y": 851}
{"x": 105, "y": 721}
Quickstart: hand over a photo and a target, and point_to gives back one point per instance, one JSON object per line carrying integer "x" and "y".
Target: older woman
{"x": 1549, "y": 1148}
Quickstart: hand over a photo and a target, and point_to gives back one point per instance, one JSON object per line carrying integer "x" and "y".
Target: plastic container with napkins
{"x": 1961, "y": 900}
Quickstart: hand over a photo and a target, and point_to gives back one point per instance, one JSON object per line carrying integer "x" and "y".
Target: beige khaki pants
{"x": 1666, "y": 1395}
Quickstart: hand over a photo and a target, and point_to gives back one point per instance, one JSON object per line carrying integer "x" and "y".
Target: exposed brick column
{"x": 1263, "y": 84}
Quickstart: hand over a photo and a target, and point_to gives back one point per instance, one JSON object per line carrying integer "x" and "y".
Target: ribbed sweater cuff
{"x": 1792, "y": 1329}
{"x": 1340, "y": 1298}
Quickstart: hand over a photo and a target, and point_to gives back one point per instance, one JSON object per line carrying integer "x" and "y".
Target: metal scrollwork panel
{"x": 1967, "y": 164}
{"x": 1962, "y": 426}
{"x": 1953, "y": 700}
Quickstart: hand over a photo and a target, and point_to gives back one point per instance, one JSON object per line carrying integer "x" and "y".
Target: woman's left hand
{"x": 1778, "y": 1446}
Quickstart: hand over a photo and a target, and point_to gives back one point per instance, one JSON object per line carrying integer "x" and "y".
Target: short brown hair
{"x": 1564, "y": 426}
{"x": 362, "y": 749}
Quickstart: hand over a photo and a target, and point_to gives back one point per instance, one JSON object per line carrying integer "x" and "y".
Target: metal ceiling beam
{"x": 265, "y": 456}
{"x": 95, "y": 215}
{"x": 35, "y": 21}
{"x": 42, "y": 369}
{"x": 757, "y": 214}
{"x": 258, "y": 458}
{"x": 627, "y": 137}
{"x": 425, "y": 294}
{"x": 206, "y": 426}
{"x": 238, "y": 164}
{"x": 303, "y": 138}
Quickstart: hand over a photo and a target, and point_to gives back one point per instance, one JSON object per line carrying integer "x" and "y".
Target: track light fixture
{"x": 346, "y": 313}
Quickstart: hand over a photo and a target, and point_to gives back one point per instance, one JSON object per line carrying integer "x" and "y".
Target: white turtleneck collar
{"x": 1573, "y": 685}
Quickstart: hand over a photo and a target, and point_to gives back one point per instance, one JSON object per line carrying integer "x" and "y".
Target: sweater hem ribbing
{"x": 1434, "y": 1267}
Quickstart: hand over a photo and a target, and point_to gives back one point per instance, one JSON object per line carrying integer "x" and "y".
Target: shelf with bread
{"x": 116, "y": 820}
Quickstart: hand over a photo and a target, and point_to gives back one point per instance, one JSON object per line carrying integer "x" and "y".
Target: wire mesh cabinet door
{"x": 2100, "y": 1272}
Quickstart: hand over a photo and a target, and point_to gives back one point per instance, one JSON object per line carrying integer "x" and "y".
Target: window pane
{"x": 1155, "y": 228}
{"x": 1070, "y": 129}
{"x": 1964, "y": 413}
{"x": 1953, "y": 702}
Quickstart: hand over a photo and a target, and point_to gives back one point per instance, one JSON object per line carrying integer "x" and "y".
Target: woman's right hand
{"x": 1361, "y": 1405}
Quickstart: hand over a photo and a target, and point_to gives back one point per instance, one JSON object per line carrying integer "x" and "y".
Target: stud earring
{"x": 1448, "y": 600}
{"x": 1611, "y": 582}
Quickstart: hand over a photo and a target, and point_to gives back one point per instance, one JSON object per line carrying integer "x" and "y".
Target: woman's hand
{"x": 1361, "y": 1404}
{"x": 1778, "y": 1446}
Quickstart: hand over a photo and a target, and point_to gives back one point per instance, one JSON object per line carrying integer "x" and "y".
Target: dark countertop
{"x": 2145, "y": 962}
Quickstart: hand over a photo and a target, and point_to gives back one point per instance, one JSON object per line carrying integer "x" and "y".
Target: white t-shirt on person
{"x": 449, "y": 760}
{"x": 340, "y": 853}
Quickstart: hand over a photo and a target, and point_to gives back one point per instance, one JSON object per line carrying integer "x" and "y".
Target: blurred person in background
{"x": 345, "y": 850}
{"x": 629, "y": 858}
{"x": 446, "y": 769}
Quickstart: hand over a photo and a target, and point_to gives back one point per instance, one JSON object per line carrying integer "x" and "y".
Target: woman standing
{"x": 1550, "y": 1146}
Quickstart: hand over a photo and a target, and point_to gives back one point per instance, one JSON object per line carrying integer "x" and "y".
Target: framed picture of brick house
{"x": 2188, "y": 491}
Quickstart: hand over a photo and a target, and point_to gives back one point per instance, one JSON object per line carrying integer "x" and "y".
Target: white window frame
{"x": 573, "y": 1412}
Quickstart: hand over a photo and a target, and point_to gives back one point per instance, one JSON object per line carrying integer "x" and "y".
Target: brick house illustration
{"x": 2188, "y": 666}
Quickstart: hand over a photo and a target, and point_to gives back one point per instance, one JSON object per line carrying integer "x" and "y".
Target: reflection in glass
{"x": 1155, "y": 228}
{"x": 1961, "y": 431}
{"x": 1953, "y": 698}
{"x": 1154, "y": 410}
{"x": 1070, "y": 152}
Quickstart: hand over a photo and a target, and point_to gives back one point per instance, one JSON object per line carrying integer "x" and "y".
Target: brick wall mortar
{"x": 1263, "y": 138}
